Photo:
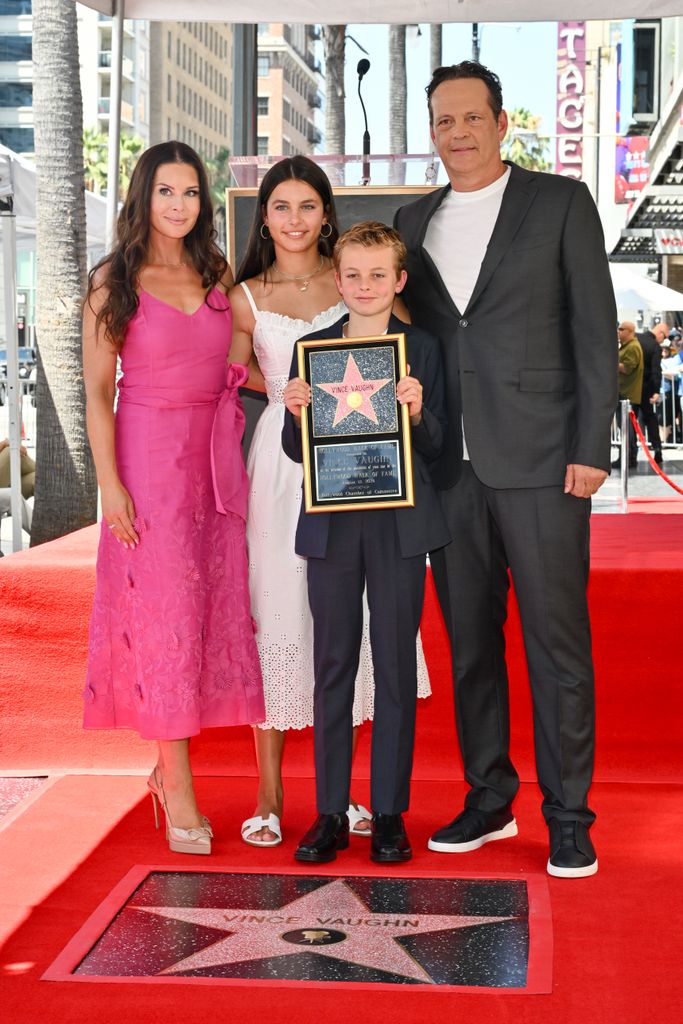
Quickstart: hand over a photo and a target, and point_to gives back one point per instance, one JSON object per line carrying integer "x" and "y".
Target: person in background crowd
{"x": 631, "y": 369}
{"x": 28, "y": 469}
{"x": 28, "y": 477}
{"x": 650, "y": 342}
{"x": 672, "y": 375}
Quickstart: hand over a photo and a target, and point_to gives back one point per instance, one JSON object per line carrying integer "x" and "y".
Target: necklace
{"x": 306, "y": 278}
{"x": 172, "y": 266}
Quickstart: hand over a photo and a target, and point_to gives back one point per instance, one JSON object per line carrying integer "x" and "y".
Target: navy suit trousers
{"x": 362, "y": 551}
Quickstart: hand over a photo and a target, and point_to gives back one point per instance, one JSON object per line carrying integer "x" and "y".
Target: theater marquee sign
{"x": 571, "y": 97}
{"x": 669, "y": 241}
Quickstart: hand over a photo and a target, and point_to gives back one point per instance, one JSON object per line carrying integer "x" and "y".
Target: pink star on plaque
{"x": 353, "y": 393}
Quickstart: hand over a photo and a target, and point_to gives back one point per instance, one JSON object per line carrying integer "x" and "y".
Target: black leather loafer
{"x": 390, "y": 843}
{"x": 329, "y": 833}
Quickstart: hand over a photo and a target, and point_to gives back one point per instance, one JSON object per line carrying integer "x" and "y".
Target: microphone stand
{"x": 365, "y": 180}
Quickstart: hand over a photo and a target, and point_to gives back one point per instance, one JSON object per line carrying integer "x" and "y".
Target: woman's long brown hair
{"x": 119, "y": 270}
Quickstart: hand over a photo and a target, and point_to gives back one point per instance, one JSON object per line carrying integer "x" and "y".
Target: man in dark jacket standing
{"x": 650, "y": 342}
{"x": 631, "y": 364}
{"x": 528, "y": 444}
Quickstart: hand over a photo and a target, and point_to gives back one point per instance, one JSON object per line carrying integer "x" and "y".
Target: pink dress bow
{"x": 230, "y": 481}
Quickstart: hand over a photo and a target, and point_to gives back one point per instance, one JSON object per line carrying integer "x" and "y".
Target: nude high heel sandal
{"x": 180, "y": 840}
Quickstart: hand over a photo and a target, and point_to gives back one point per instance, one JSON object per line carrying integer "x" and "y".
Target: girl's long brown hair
{"x": 119, "y": 270}
{"x": 261, "y": 251}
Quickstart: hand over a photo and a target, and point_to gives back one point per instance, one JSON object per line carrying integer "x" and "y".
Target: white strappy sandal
{"x": 355, "y": 816}
{"x": 253, "y": 825}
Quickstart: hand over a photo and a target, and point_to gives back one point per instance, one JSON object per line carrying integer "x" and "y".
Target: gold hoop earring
{"x": 329, "y": 233}
{"x": 267, "y": 234}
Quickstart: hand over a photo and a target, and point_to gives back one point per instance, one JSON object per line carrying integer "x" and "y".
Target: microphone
{"x": 362, "y": 68}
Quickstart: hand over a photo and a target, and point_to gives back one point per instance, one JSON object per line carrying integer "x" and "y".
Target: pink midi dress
{"x": 172, "y": 646}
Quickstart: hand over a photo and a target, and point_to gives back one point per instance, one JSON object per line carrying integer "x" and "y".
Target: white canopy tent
{"x": 18, "y": 178}
{"x": 397, "y": 12}
{"x": 308, "y": 12}
{"x": 18, "y": 228}
{"x": 636, "y": 293}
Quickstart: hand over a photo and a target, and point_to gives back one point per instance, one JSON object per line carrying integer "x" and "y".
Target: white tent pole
{"x": 9, "y": 252}
{"x": 114, "y": 118}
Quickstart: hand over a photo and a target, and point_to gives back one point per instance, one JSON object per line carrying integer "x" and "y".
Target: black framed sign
{"x": 367, "y": 202}
{"x": 355, "y": 434}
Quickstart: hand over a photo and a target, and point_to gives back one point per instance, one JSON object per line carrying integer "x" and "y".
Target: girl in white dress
{"x": 285, "y": 290}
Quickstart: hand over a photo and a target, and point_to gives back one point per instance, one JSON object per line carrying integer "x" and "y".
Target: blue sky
{"x": 523, "y": 55}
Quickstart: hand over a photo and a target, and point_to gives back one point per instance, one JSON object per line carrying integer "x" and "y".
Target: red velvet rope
{"x": 652, "y": 462}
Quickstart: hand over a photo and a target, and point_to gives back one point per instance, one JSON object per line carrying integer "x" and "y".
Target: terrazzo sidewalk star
{"x": 476, "y": 933}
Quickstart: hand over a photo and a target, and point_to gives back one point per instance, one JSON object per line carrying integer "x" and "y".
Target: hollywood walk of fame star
{"x": 353, "y": 393}
{"x": 331, "y": 921}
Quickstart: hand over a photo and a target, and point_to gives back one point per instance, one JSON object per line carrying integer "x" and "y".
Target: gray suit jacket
{"x": 531, "y": 364}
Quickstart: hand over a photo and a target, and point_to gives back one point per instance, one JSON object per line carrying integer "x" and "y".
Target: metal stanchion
{"x": 625, "y": 407}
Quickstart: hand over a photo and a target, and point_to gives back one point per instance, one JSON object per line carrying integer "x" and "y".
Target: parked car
{"x": 27, "y": 360}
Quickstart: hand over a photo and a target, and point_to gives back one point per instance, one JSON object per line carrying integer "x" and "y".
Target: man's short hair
{"x": 468, "y": 69}
{"x": 369, "y": 233}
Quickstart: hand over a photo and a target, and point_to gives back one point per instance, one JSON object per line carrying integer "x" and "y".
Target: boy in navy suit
{"x": 383, "y": 550}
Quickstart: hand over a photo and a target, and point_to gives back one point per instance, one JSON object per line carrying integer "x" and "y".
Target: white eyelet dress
{"x": 277, "y": 575}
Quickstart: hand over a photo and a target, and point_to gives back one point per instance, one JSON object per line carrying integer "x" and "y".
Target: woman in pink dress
{"x": 172, "y": 647}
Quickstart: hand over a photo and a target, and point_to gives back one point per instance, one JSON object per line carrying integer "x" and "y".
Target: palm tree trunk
{"x": 334, "y": 46}
{"x": 66, "y": 487}
{"x": 398, "y": 96}
{"x": 435, "y": 47}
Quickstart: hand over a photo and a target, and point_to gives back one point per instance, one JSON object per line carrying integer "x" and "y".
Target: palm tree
{"x": 219, "y": 179}
{"x": 95, "y": 160}
{"x": 398, "y": 97}
{"x": 130, "y": 148}
{"x": 523, "y": 145}
{"x": 334, "y": 49}
{"x": 435, "y": 47}
{"x": 66, "y": 487}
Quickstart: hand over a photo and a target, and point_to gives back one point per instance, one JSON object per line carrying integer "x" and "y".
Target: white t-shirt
{"x": 459, "y": 233}
{"x": 457, "y": 238}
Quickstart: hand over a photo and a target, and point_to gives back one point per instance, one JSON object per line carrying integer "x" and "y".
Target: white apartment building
{"x": 95, "y": 47}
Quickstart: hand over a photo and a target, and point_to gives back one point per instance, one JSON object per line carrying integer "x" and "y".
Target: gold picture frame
{"x": 356, "y": 441}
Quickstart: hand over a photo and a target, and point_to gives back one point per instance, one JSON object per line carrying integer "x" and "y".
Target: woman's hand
{"x": 119, "y": 514}
{"x": 297, "y": 396}
{"x": 409, "y": 392}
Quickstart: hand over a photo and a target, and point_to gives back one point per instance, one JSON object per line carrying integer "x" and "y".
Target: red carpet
{"x": 45, "y": 597}
{"x": 616, "y": 958}
{"x": 615, "y": 955}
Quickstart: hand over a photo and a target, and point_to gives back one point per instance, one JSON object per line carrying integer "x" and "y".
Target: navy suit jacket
{"x": 531, "y": 364}
{"x": 421, "y": 528}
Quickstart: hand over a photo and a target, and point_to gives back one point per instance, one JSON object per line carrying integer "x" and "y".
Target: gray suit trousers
{"x": 542, "y": 535}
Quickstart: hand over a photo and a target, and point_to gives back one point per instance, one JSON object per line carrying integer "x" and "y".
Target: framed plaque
{"x": 355, "y": 434}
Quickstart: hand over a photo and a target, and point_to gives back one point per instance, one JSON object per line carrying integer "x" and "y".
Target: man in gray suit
{"x": 508, "y": 268}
